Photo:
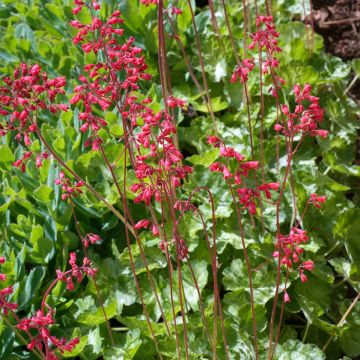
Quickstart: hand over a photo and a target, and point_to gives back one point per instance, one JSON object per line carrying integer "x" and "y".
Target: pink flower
{"x": 303, "y": 277}
{"x": 227, "y": 174}
{"x": 286, "y": 297}
{"x": 308, "y": 265}
{"x": 285, "y": 109}
{"x": 155, "y": 230}
{"x": 216, "y": 167}
{"x": 91, "y": 239}
{"x": 322, "y": 133}
{"x": 317, "y": 200}
{"x": 173, "y": 102}
{"x": 175, "y": 11}
{"x": 213, "y": 140}
{"x": 142, "y": 224}
{"x": 41, "y": 323}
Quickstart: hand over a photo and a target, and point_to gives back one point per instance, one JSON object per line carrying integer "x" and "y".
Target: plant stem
{"x": 101, "y": 302}
{"x": 248, "y": 267}
{"x": 342, "y": 320}
{"x": 77, "y": 177}
{"x": 37, "y": 352}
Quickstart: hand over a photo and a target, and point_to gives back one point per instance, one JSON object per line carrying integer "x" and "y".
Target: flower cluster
{"x": 41, "y": 322}
{"x": 149, "y": 2}
{"x": 288, "y": 248}
{"x": 113, "y": 83}
{"x": 4, "y": 304}
{"x": 108, "y": 83}
{"x": 91, "y": 239}
{"x": 28, "y": 91}
{"x": 25, "y": 93}
{"x": 76, "y": 271}
{"x": 242, "y": 71}
{"x": 173, "y": 102}
{"x": 69, "y": 189}
{"x": 317, "y": 200}
{"x": 246, "y": 195}
{"x": 304, "y": 119}
{"x": 266, "y": 36}
{"x": 162, "y": 163}
{"x": 180, "y": 246}
{"x": 43, "y": 339}
{"x": 21, "y": 163}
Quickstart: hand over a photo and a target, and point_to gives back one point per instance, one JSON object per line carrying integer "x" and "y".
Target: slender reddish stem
{"x": 248, "y": 267}
{"x": 201, "y": 60}
{"x": 278, "y": 279}
{"x": 100, "y": 299}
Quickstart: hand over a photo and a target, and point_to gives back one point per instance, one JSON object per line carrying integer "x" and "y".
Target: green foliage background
{"x": 37, "y": 230}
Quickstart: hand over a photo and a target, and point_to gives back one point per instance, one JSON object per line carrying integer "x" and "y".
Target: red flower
{"x": 142, "y": 224}
{"x": 4, "y": 304}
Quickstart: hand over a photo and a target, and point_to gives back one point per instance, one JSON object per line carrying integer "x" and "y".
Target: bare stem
{"x": 77, "y": 177}
{"x": 249, "y": 272}
{"x": 342, "y": 320}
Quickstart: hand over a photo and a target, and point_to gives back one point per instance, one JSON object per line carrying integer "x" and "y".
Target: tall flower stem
{"x": 77, "y": 177}
{"x": 100, "y": 299}
{"x": 278, "y": 278}
{"x": 249, "y": 272}
{"x": 142, "y": 254}
{"x": 202, "y": 65}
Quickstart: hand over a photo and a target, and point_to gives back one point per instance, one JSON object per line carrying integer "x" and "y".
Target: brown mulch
{"x": 338, "y": 21}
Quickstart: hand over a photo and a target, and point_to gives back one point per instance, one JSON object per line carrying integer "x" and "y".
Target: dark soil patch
{"x": 338, "y": 21}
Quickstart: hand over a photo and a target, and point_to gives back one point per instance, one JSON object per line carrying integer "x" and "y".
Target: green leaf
{"x": 6, "y": 156}
{"x": 117, "y": 130}
{"x": 348, "y": 228}
{"x": 19, "y": 267}
{"x": 348, "y": 270}
{"x": 130, "y": 13}
{"x": 127, "y": 349}
{"x": 44, "y": 193}
{"x": 32, "y": 284}
{"x": 206, "y": 158}
{"x": 349, "y": 342}
{"x": 296, "y": 350}
{"x": 7, "y": 337}
{"x": 349, "y": 339}
{"x": 264, "y": 281}
{"x": 216, "y": 103}
{"x": 355, "y": 63}
{"x": 42, "y": 246}
{"x": 230, "y": 238}
{"x": 201, "y": 276}
{"x": 88, "y": 312}
{"x": 95, "y": 340}
{"x": 184, "y": 20}
{"x": 7, "y": 57}
{"x": 87, "y": 164}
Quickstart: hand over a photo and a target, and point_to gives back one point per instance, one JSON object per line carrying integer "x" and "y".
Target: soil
{"x": 338, "y": 21}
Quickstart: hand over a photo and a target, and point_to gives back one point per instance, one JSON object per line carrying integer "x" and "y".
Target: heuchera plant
{"x": 150, "y": 145}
